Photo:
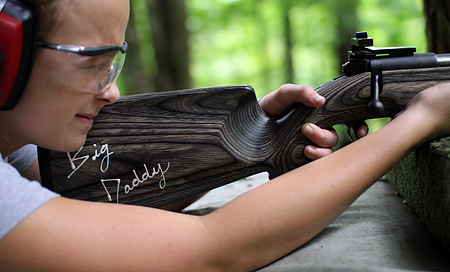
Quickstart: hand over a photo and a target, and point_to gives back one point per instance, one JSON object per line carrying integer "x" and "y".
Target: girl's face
{"x": 52, "y": 113}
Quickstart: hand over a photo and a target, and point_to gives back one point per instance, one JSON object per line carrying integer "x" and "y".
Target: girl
{"x": 56, "y": 111}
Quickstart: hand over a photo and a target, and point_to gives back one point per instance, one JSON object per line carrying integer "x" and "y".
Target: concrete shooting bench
{"x": 401, "y": 223}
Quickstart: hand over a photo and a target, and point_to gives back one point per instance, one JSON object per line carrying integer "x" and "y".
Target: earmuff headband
{"x": 17, "y": 47}
{"x": 2, "y": 4}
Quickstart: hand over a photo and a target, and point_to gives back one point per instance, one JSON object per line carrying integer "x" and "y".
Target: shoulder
{"x": 18, "y": 197}
{"x": 23, "y": 158}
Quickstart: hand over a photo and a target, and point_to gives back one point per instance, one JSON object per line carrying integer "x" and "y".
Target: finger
{"x": 362, "y": 131}
{"x": 314, "y": 153}
{"x": 320, "y": 137}
{"x": 303, "y": 94}
{"x": 279, "y": 101}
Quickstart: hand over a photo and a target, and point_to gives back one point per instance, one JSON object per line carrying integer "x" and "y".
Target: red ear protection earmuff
{"x": 17, "y": 48}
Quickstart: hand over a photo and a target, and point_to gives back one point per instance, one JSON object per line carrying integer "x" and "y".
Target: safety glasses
{"x": 93, "y": 69}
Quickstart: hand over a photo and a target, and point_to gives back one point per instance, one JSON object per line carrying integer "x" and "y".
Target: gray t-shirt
{"x": 19, "y": 197}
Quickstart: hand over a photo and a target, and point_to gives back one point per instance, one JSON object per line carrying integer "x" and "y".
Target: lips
{"x": 85, "y": 119}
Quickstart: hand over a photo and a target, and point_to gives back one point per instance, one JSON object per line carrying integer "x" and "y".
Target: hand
{"x": 277, "y": 102}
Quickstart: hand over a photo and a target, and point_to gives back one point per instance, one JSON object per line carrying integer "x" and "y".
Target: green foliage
{"x": 241, "y": 41}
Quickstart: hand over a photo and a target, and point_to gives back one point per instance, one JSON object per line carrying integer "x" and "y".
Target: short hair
{"x": 45, "y": 12}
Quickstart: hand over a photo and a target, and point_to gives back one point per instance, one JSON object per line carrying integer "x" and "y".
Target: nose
{"x": 110, "y": 95}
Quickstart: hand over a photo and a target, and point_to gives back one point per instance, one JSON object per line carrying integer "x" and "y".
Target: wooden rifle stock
{"x": 155, "y": 149}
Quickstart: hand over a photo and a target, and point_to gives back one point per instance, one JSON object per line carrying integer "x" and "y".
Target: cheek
{"x": 47, "y": 121}
{"x": 43, "y": 98}
{"x": 53, "y": 125}
{"x": 46, "y": 112}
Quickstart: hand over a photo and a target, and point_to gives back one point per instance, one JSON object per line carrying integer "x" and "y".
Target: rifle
{"x": 154, "y": 149}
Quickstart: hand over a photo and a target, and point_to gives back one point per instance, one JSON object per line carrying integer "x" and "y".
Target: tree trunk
{"x": 170, "y": 40}
{"x": 139, "y": 68}
{"x": 289, "y": 77}
{"x": 346, "y": 27}
{"x": 437, "y": 13}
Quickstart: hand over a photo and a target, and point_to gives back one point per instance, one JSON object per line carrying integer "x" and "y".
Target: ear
{"x": 17, "y": 50}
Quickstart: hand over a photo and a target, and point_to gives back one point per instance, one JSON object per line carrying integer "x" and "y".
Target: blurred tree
{"x": 287, "y": 25}
{"x": 158, "y": 58}
{"x": 170, "y": 40}
{"x": 347, "y": 23}
{"x": 140, "y": 67}
{"x": 437, "y": 13}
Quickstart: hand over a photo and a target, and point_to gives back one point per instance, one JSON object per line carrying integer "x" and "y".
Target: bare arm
{"x": 249, "y": 232}
{"x": 303, "y": 202}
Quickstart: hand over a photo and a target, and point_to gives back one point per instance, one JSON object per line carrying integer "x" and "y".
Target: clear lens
{"x": 114, "y": 72}
{"x": 92, "y": 74}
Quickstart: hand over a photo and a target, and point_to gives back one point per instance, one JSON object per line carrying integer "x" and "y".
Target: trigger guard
{"x": 351, "y": 134}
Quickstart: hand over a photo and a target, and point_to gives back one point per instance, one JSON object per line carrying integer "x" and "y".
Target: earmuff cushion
{"x": 18, "y": 46}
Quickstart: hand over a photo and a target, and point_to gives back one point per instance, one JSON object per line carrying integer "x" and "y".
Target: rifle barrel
{"x": 443, "y": 59}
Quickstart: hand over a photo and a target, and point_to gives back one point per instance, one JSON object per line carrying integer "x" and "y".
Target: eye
{"x": 104, "y": 62}
{"x": 104, "y": 67}
{"x": 97, "y": 65}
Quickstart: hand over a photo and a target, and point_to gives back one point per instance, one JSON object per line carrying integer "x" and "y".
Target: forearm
{"x": 278, "y": 217}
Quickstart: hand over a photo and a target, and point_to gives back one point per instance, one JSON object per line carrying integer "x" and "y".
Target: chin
{"x": 67, "y": 146}
{"x": 75, "y": 145}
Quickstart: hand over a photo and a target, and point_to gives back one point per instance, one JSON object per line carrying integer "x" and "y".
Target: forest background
{"x": 184, "y": 44}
